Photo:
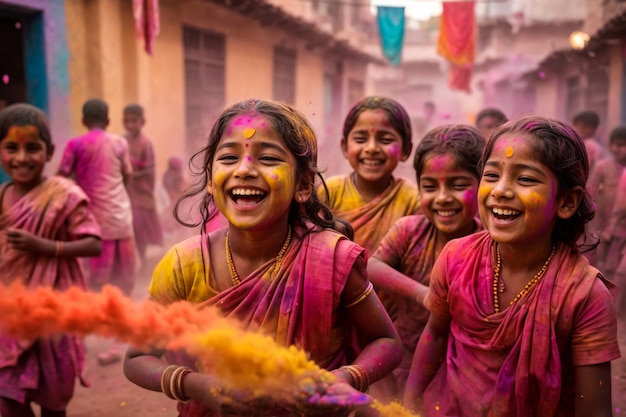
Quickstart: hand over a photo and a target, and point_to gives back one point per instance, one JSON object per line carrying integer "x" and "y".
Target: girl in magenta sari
{"x": 446, "y": 164}
{"x": 520, "y": 324}
{"x": 45, "y": 225}
{"x": 278, "y": 266}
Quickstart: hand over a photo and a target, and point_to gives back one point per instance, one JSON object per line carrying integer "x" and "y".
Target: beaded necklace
{"x": 234, "y": 277}
{"x": 496, "y": 279}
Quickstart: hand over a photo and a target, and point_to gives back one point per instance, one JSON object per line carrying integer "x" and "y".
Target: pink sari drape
{"x": 46, "y": 368}
{"x": 297, "y": 305}
{"x": 520, "y": 361}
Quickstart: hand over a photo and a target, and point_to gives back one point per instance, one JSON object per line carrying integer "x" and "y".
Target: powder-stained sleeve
{"x": 66, "y": 167}
{"x": 392, "y": 247}
{"x": 81, "y": 222}
{"x": 436, "y": 300}
{"x": 594, "y": 336}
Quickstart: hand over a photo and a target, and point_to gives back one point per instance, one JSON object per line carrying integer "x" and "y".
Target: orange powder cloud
{"x": 246, "y": 361}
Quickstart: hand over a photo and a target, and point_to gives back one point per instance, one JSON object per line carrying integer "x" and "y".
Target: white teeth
{"x": 446, "y": 213}
{"x": 505, "y": 212}
{"x": 246, "y": 191}
{"x": 372, "y": 163}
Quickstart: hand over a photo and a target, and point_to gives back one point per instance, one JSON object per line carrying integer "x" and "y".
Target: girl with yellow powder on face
{"x": 278, "y": 267}
{"x": 520, "y": 323}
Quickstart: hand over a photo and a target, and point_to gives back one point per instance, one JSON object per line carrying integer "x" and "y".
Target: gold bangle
{"x": 166, "y": 381}
{"x": 359, "y": 376}
{"x": 59, "y": 248}
{"x": 368, "y": 290}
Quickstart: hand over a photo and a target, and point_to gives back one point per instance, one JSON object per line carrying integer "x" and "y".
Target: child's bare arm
{"x": 26, "y": 241}
{"x": 429, "y": 355}
{"x": 593, "y": 390}
{"x": 385, "y": 277}
{"x": 383, "y": 350}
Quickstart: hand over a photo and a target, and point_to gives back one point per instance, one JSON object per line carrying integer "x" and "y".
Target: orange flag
{"x": 457, "y": 41}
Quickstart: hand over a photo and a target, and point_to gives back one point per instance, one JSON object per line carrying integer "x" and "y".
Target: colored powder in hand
{"x": 246, "y": 361}
{"x": 392, "y": 409}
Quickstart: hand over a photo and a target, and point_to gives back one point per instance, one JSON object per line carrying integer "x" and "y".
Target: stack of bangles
{"x": 172, "y": 382}
{"x": 359, "y": 376}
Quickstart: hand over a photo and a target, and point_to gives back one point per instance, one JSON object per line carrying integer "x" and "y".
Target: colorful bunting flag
{"x": 457, "y": 40}
{"x": 391, "y": 30}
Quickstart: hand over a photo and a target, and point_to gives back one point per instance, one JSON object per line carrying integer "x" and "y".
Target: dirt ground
{"x": 111, "y": 394}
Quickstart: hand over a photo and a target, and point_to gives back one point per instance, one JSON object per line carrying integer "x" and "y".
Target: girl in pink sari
{"x": 446, "y": 164}
{"x": 278, "y": 266}
{"x": 520, "y": 324}
{"x": 45, "y": 225}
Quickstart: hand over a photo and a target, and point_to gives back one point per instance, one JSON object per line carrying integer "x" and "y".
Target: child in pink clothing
{"x": 603, "y": 187}
{"x": 101, "y": 165}
{"x": 45, "y": 226}
{"x": 520, "y": 324}
{"x": 146, "y": 222}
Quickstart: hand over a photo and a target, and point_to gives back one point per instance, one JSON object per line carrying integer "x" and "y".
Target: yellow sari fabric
{"x": 370, "y": 220}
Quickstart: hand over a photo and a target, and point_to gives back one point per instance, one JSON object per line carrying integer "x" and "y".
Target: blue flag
{"x": 391, "y": 29}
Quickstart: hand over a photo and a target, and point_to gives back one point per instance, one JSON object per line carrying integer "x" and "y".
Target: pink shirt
{"x": 100, "y": 161}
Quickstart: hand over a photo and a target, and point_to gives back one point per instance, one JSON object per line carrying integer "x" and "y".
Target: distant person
{"x": 614, "y": 237}
{"x": 146, "y": 222}
{"x": 603, "y": 187}
{"x": 586, "y": 123}
{"x": 101, "y": 165}
{"x": 174, "y": 178}
{"x": 488, "y": 120}
{"x": 45, "y": 225}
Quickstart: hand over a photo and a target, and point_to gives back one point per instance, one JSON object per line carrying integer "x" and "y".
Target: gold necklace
{"x": 234, "y": 277}
{"x": 527, "y": 287}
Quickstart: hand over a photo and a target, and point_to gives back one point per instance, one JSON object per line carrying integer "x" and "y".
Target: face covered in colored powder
{"x": 448, "y": 196}
{"x": 24, "y": 155}
{"x": 253, "y": 177}
{"x": 373, "y": 147}
{"x": 517, "y": 196}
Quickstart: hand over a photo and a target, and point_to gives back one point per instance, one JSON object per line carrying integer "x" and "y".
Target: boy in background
{"x": 586, "y": 123}
{"x": 101, "y": 166}
{"x": 146, "y": 222}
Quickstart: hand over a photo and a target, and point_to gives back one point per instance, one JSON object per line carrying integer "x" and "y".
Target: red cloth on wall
{"x": 457, "y": 40}
{"x": 146, "y": 15}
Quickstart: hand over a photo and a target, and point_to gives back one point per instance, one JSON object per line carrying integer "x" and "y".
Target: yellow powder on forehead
{"x": 509, "y": 152}
{"x": 248, "y": 132}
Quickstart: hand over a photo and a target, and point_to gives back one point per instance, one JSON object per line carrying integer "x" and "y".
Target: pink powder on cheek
{"x": 394, "y": 150}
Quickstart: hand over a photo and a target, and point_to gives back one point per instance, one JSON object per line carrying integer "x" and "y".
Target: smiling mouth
{"x": 446, "y": 213}
{"x": 246, "y": 196}
{"x": 505, "y": 214}
{"x": 372, "y": 162}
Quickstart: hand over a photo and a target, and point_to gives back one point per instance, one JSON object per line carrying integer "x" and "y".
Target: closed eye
{"x": 490, "y": 176}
